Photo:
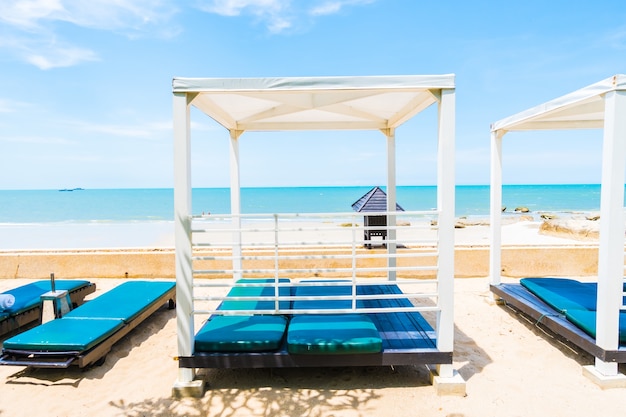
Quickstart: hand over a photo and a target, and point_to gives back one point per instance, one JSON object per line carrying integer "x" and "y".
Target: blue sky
{"x": 85, "y": 92}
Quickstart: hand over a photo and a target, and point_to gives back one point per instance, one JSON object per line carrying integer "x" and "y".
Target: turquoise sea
{"x": 116, "y": 205}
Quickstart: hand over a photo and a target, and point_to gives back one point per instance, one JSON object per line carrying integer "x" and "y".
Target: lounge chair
{"x": 577, "y": 301}
{"x": 86, "y": 334}
{"x": 27, "y": 309}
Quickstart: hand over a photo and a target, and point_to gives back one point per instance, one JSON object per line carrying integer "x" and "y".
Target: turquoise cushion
{"x": 64, "y": 335}
{"x": 563, "y": 294}
{"x": 123, "y": 302}
{"x": 333, "y": 334}
{"x": 264, "y": 291}
{"x": 241, "y": 334}
{"x": 586, "y": 320}
{"x": 320, "y": 290}
{"x": 29, "y": 295}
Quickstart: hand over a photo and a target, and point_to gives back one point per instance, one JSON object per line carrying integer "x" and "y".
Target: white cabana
{"x": 599, "y": 106}
{"x": 313, "y": 103}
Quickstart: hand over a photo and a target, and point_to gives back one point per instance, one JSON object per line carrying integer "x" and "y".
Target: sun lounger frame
{"x": 518, "y": 297}
{"x": 65, "y": 359}
{"x": 32, "y": 316}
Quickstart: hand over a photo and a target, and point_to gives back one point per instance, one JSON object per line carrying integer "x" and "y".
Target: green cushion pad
{"x": 265, "y": 291}
{"x": 311, "y": 291}
{"x": 333, "y": 334}
{"x": 586, "y": 320}
{"x": 63, "y": 335}
{"x": 29, "y": 295}
{"x": 123, "y": 302}
{"x": 563, "y": 294}
{"x": 241, "y": 334}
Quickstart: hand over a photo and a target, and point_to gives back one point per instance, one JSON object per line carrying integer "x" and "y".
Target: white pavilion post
{"x": 445, "y": 205}
{"x": 391, "y": 204}
{"x": 182, "y": 234}
{"x": 235, "y": 202}
{"x": 611, "y": 249}
{"x": 495, "y": 216}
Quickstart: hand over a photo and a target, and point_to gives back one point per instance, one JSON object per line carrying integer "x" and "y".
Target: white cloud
{"x": 9, "y": 105}
{"x": 153, "y": 130}
{"x": 29, "y": 28}
{"x": 122, "y": 15}
{"x": 334, "y": 6}
{"x": 5, "y": 106}
{"x": 37, "y": 140}
{"x": 57, "y": 56}
{"x": 278, "y": 15}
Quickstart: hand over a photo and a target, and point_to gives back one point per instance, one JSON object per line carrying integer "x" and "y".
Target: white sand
{"x": 512, "y": 368}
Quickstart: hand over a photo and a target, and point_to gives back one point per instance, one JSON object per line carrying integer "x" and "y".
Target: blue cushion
{"x": 261, "y": 291}
{"x": 333, "y": 334}
{"x": 123, "y": 302}
{"x": 241, "y": 334}
{"x": 586, "y": 320}
{"x": 29, "y": 295}
{"x": 63, "y": 335}
{"x": 563, "y": 294}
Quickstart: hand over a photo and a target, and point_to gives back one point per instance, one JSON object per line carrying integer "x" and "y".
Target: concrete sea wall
{"x": 520, "y": 261}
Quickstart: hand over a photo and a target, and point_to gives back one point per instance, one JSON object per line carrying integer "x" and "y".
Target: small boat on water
{"x": 72, "y": 189}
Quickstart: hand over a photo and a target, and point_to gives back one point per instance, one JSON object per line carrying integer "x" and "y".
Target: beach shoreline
{"x": 18, "y": 237}
{"x": 137, "y": 249}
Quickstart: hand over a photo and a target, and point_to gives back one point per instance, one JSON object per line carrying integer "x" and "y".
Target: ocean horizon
{"x": 157, "y": 204}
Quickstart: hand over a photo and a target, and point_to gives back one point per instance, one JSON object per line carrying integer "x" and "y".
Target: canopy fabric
{"x": 313, "y": 103}
{"x": 580, "y": 109}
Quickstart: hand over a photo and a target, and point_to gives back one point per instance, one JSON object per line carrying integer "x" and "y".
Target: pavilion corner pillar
{"x": 445, "y": 206}
{"x": 495, "y": 211}
{"x": 611, "y": 245}
{"x": 235, "y": 203}
{"x": 391, "y": 204}
{"x": 182, "y": 232}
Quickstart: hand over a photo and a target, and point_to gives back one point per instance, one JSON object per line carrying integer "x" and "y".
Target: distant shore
{"x": 134, "y": 250}
{"x": 516, "y": 230}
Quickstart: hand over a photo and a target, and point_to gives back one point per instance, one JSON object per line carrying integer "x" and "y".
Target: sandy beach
{"x": 512, "y": 368}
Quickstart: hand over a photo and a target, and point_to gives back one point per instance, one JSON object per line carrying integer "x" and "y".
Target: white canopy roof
{"x": 319, "y": 103}
{"x": 580, "y": 109}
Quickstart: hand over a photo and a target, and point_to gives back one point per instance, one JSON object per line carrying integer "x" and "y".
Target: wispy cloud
{"x": 37, "y": 140}
{"x": 9, "y": 106}
{"x": 334, "y": 6}
{"x": 278, "y": 15}
{"x": 153, "y": 130}
{"x": 29, "y": 28}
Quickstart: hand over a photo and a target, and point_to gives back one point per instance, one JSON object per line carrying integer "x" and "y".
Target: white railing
{"x": 328, "y": 246}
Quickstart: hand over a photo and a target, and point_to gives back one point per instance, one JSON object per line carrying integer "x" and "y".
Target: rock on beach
{"x": 573, "y": 228}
